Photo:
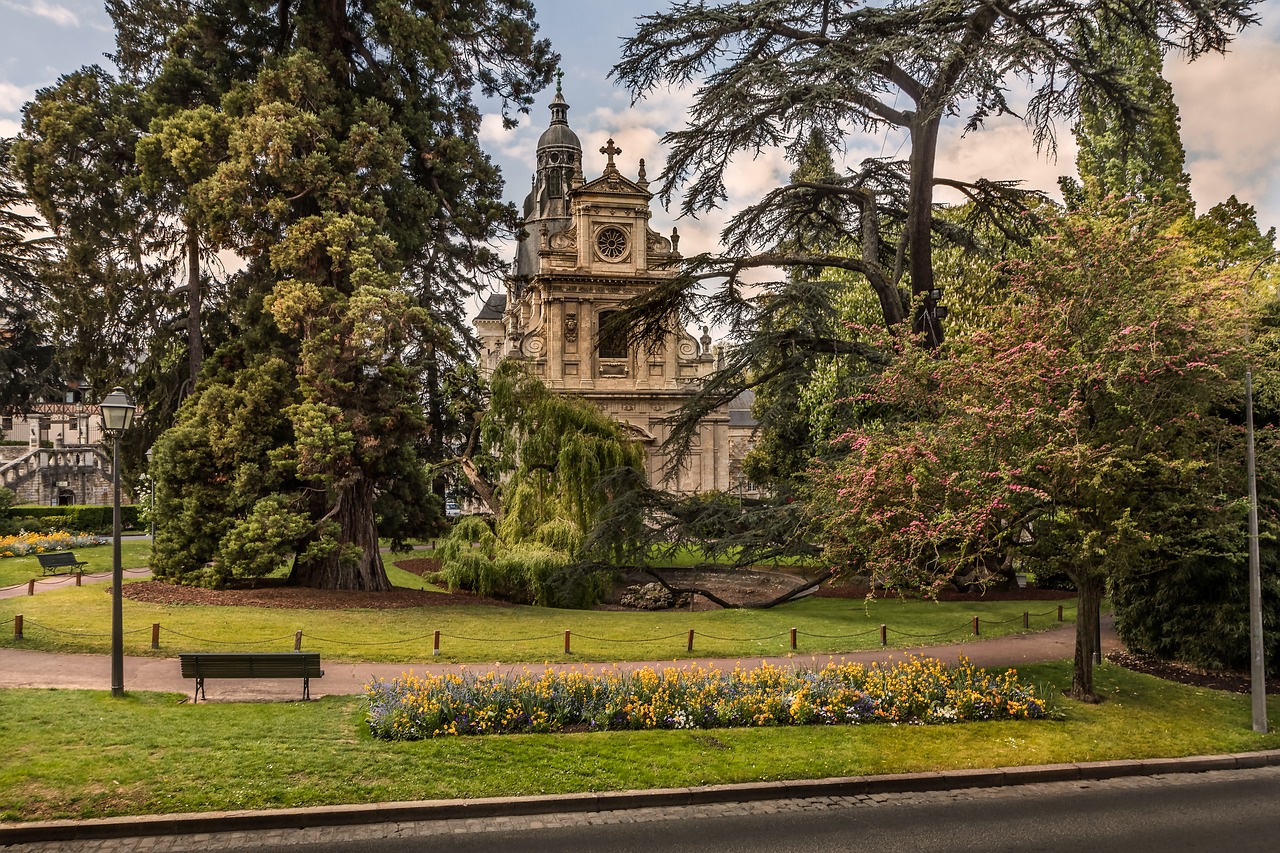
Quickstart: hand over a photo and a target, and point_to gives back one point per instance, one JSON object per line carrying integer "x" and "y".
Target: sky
{"x": 1229, "y": 107}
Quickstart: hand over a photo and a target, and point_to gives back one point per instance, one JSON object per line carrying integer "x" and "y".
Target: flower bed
{"x": 25, "y": 544}
{"x": 920, "y": 690}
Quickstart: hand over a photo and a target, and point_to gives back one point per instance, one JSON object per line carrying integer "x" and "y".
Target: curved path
{"x": 23, "y": 668}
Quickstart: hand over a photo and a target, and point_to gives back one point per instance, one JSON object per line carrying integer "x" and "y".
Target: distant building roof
{"x": 740, "y": 409}
{"x": 494, "y": 307}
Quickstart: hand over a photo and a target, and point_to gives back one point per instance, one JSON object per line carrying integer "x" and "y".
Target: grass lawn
{"x": 134, "y": 554}
{"x": 78, "y": 620}
{"x": 80, "y": 754}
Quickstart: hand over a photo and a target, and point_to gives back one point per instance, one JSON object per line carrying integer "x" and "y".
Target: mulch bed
{"x": 1234, "y": 682}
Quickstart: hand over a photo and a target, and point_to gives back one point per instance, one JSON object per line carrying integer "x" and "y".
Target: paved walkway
{"x": 22, "y": 668}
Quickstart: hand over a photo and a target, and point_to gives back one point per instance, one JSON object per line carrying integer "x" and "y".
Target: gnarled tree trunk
{"x": 358, "y": 568}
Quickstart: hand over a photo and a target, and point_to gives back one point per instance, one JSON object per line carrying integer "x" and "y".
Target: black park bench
{"x": 53, "y": 562}
{"x": 202, "y": 665}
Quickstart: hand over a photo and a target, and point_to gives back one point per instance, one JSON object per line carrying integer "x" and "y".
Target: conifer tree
{"x": 1132, "y": 153}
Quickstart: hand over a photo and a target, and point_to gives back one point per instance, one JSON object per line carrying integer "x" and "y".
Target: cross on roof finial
{"x": 609, "y": 150}
{"x": 559, "y": 80}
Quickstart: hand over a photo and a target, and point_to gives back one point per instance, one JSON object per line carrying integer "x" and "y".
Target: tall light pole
{"x": 117, "y": 416}
{"x": 1257, "y": 660}
{"x": 151, "y": 509}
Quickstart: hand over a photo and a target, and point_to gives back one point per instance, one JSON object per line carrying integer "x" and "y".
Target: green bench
{"x": 202, "y": 665}
{"x": 53, "y": 562}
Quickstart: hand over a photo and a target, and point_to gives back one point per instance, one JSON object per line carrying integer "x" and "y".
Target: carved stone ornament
{"x": 533, "y": 345}
{"x": 571, "y": 328}
{"x": 566, "y": 239}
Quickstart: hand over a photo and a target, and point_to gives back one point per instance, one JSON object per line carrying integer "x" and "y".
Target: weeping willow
{"x": 560, "y": 463}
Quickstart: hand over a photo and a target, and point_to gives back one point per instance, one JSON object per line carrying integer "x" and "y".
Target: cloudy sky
{"x": 1229, "y": 106}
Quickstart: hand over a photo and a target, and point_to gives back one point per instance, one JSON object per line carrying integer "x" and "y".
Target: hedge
{"x": 89, "y": 519}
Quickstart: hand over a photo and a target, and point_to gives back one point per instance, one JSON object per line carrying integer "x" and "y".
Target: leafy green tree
{"x": 26, "y": 355}
{"x": 103, "y": 292}
{"x": 1082, "y": 431}
{"x": 559, "y": 464}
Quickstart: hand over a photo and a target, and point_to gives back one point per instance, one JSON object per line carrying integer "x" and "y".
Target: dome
{"x": 559, "y": 136}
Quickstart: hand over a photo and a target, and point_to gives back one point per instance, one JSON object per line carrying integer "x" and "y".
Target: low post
{"x": 884, "y": 634}
{"x": 155, "y": 635}
{"x": 31, "y": 587}
{"x": 17, "y": 627}
{"x": 1026, "y": 620}
{"x": 793, "y": 639}
{"x": 975, "y": 626}
{"x": 690, "y": 648}
{"x": 435, "y": 645}
{"x": 297, "y": 642}
{"x": 567, "y": 650}
{"x": 79, "y": 577}
{"x": 1059, "y": 612}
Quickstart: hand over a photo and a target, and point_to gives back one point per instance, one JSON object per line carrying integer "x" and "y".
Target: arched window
{"x": 612, "y": 346}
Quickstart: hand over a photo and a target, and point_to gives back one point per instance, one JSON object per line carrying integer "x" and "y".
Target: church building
{"x": 586, "y": 247}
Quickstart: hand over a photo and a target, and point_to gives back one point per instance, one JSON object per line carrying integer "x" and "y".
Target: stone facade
{"x": 586, "y": 248}
{"x": 55, "y": 454}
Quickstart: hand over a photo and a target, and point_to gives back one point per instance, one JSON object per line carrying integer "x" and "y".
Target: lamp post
{"x": 151, "y": 508}
{"x": 1257, "y": 661}
{"x": 117, "y": 416}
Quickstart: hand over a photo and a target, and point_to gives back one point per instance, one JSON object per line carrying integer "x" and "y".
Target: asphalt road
{"x": 1230, "y": 810}
{"x": 1238, "y": 813}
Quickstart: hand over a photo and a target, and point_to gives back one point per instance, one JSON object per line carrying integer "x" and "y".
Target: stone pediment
{"x": 613, "y": 183}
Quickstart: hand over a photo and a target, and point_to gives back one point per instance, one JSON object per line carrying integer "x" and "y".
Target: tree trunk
{"x": 358, "y": 568}
{"x": 195, "y": 341}
{"x": 924, "y": 152}
{"x": 1088, "y": 611}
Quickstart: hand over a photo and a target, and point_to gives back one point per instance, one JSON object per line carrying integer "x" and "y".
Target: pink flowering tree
{"x": 1079, "y": 429}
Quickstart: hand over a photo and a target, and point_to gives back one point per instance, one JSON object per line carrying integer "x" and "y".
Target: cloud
{"x": 9, "y": 128}
{"x": 1229, "y": 115}
{"x": 13, "y": 97}
{"x": 1003, "y": 151}
{"x": 60, "y": 15}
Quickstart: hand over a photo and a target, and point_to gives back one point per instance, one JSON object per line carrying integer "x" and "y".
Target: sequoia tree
{"x": 355, "y": 190}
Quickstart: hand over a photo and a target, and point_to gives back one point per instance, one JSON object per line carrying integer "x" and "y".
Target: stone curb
{"x": 351, "y": 815}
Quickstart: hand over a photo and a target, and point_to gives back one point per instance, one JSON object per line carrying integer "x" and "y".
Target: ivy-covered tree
{"x": 558, "y": 464}
{"x": 1083, "y": 432}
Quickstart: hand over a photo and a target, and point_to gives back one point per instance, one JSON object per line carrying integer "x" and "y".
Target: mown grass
{"x": 81, "y": 754}
{"x": 78, "y": 620}
{"x": 134, "y": 554}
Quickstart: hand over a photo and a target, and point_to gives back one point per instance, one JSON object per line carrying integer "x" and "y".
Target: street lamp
{"x": 151, "y": 509}
{"x": 1257, "y": 662}
{"x": 117, "y": 416}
